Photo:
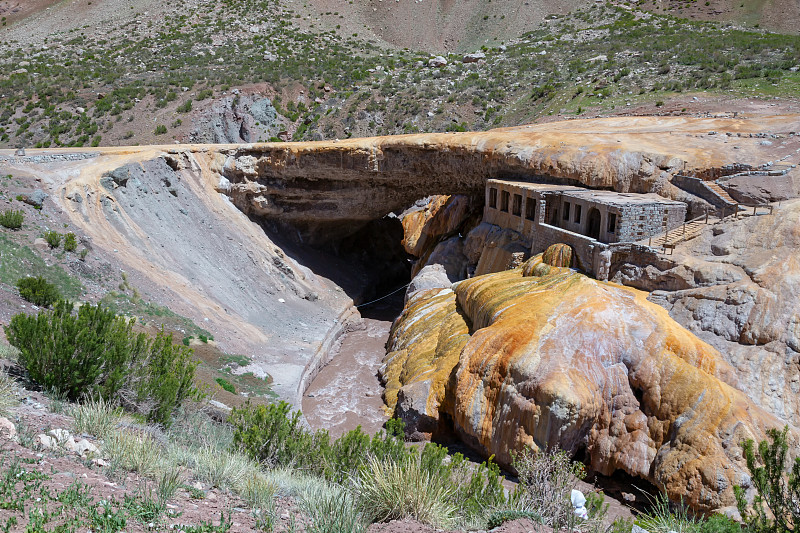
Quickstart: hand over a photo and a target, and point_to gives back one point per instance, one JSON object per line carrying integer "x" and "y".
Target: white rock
{"x": 61, "y": 435}
{"x": 70, "y": 445}
{"x": 45, "y": 442}
{"x": 84, "y": 447}
{"x": 437, "y": 62}
{"x": 7, "y": 429}
{"x": 218, "y": 405}
{"x": 473, "y": 58}
{"x": 99, "y": 461}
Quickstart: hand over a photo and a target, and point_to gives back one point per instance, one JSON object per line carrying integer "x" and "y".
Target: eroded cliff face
{"x": 324, "y": 190}
{"x": 543, "y": 356}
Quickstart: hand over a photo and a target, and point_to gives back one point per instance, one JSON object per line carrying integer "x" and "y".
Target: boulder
{"x": 45, "y": 442}
{"x": 36, "y": 198}
{"x": 61, "y": 435}
{"x": 450, "y": 255}
{"x": 430, "y": 277}
{"x": 40, "y": 244}
{"x": 473, "y": 58}
{"x": 437, "y": 62}
{"x": 7, "y": 429}
{"x": 84, "y": 448}
{"x": 432, "y": 218}
{"x": 554, "y": 358}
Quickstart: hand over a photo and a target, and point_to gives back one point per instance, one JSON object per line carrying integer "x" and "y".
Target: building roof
{"x": 616, "y": 199}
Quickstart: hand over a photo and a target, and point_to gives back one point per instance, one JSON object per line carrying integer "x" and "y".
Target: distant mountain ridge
{"x": 425, "y": 25}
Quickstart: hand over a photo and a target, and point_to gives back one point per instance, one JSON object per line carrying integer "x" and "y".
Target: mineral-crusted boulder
{"x": 544, "y": 356}
{"x": 437, "y": 216}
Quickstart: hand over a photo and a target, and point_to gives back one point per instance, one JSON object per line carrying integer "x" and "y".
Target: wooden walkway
{"x": 691, "y": 229}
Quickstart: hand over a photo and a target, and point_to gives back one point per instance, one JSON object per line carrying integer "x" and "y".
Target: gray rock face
{"x": 760, "y": 189}
{"x": 432, "y": 276}
{"x": 36, "y": 198}
{"x": 237, "y": 119}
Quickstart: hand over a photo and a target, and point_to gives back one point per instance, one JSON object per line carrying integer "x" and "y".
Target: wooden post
{"x": 736, "y": 211}
{"x": 650, "y": 241}
{"x": 684, "y": 230}
{"x": 706, "y": 215}
{"x": 754, "y": 210}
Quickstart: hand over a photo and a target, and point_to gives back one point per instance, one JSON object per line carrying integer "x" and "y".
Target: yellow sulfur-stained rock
{"x": 545, "y": 356}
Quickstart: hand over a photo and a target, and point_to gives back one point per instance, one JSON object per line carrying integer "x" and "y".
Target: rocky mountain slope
{"x": 202, "y": 71}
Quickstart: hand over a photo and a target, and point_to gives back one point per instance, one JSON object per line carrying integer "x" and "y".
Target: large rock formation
{"x": 326, "y": 189}
{"x": 544, "y": 356}
{"x": 735, "y": 286}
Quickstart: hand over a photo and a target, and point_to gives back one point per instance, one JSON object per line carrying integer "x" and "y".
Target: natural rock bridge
{"x": 325, "y": 189}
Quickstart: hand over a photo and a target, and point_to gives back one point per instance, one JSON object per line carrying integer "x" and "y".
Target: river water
{"x": 347, "y": 392}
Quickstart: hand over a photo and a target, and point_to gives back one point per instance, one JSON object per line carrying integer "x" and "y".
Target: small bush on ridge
{"x": 12, "y": 219}
{"x": 776, "y": 506}
{"x": 38, "y": 291}
{"x": 53, "y": 238}
{"x": 70, "y": 242}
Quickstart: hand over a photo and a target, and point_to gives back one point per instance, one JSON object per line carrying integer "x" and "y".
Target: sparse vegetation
{"x": 226, "y": 385}
{"x": 70, "y": 242}
{"x": 776, "y": 507}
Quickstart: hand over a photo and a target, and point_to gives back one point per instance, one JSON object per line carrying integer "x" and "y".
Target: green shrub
{"x": 775, "y": 506}
{"x": 12, "y": 219}
{"x": 38, "y": 291}
{"x": 498, "y": 518}
{"x": 53, "y": 238}
{"x": 166, "y": 378}
{"x": 84, "y": 354}
{"x": 185, "y": 107}
{"x": 270, "y": 434}
{"x": 160, "y": 129}
{"x": 94, "y": 353}
{"x": 720, "y": 524}
{"x": 70, "y": 242}
{"x": 226, "y": 385}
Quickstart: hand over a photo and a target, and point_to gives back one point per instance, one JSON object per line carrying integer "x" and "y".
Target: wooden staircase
{"x": 686, "y": 231}
{"x": 720, "y": 192}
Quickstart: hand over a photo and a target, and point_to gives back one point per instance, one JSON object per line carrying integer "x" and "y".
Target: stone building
{"x": 590, "y": 221}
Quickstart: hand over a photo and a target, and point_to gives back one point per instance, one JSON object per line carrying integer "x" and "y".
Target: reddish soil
{"x": 63, "y": 469}
{"x": 13, "y": 10}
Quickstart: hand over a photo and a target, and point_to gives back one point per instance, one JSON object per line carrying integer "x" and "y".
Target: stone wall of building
{"x": 642, "y": 221}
